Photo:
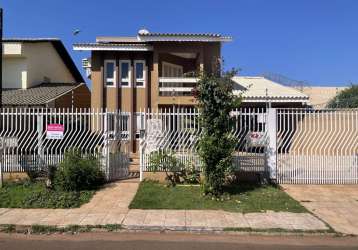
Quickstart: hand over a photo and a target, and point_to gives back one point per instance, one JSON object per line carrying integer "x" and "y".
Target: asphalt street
{"x": 172, "y": 241}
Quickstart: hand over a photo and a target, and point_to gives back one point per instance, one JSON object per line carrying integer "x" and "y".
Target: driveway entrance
{"x": 335, "y": 204}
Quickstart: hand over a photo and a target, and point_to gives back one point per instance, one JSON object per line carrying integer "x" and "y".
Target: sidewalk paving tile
{"x": 195, "y": 219}
{"x": 93, "y": 219}
{"x": 55, "y": 217}
{"x": 236, "y": 220}
{"x": 135, "y": 218}
{"x": 154, "y": 218}
{"x": 175, "y": 219}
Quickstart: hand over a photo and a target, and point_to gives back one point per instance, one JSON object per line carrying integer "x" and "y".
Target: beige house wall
{"x": 14, "y": 72}
{"x": 43, "y": 61}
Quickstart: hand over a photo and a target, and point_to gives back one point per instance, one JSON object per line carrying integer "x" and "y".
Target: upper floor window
{"x": 125, "y": 73}
{"x": 171, "y": 70}
{"x": 109, "y": 73}
{"x": 139, "y": 67}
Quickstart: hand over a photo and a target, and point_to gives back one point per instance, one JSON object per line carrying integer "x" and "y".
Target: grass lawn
{"x": 36, "y": 195}
{"x": 244, "y": 198}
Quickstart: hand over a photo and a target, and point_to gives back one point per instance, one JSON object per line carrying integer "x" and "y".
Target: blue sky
{"x": 311, "y": 40}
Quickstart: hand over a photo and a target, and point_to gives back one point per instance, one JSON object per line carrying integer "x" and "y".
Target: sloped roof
{"x": 36, "y": 96}
{"x": 320, "y": 96}
{"x": 261, "y": 89}
{"x": 145, "y": 38}
{"x": 59, "y": 47}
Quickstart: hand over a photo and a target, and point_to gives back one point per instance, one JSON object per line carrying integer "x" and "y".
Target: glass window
{"x": 125, "y": 68}
{"x": 110, "y": 73}
{"x": 139, "y": 67}
{"x": 139, "y": 73}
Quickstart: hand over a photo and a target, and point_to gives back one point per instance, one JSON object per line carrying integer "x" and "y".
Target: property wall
{"x": 14, "y": 72}
{"x": 43, "y": 61}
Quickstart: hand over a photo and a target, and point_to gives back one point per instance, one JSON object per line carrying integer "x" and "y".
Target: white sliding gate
{"x": 177, "y": 133}
{"x": 33, "y": 139}
{"x": 317, "y": 146}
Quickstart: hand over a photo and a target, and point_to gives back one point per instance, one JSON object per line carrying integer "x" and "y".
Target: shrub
{"x": 76, "y": 173}
{"x": 347, "y": 98}
{"x": 163, "y": 161}
{"x": 175, "y": 171}
{"x": 56, "y": 199}
{"x": 216, "y": 145}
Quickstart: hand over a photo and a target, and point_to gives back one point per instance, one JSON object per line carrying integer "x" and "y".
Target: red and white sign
{"x": 256, "y": 139}
{"x": 55, "y": 131}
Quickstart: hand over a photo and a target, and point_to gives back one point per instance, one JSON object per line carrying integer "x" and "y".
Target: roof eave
{"x": 112, "y": 47}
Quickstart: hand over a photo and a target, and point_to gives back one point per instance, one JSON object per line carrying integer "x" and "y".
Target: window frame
{"x": 129, "y": 74}
{"x": 114, "y": 74}
{"x": 144, "y": 79}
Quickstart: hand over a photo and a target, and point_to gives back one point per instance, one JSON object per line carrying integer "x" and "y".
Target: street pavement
{"x": 172, "y": 241}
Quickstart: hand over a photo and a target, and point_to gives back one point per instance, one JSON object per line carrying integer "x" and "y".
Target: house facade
{"x": 150, "y": 70}
{"x": 39, "y": 72}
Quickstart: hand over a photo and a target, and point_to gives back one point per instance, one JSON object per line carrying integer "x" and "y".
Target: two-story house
{"x": 39, "y": 72}
{"x": 149, "y": 70}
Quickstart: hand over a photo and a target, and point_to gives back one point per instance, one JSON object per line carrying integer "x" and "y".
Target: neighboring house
{"x": 320, "y": 96}
{"x": 261, "y": 92}
{"x": 39, "y": 72}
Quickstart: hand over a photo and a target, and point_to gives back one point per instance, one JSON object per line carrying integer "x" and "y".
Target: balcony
{"x": 176, "y": 86}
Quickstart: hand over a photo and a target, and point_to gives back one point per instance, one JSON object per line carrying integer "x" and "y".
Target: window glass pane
{"x": 124, "y": 70}
{"x": 109, "y": 83}
{"x": 139, "y": 84}
{"x": 139, "y": 67}
{"x": 109, "y": 70}
{"x": 124, "y": 83}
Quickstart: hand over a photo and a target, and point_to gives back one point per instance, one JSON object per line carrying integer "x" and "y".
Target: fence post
{"x": 141, "y": 153}
{"x": 39, "y": 136}
{"x": 2, "y": 149}
{"x": 106, "y": 143}
{"x": 272, "y": 142}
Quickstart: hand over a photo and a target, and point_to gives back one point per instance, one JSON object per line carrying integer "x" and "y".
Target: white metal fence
{"x": 177, "y": 133}
{"x": 292, "y": 145}
{"x": 317, "y": 146}
{"x": 33, "y": 139}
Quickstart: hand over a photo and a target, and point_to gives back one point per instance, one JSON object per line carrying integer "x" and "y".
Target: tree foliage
{"x": 347, "y": 98}
{"x": 216, "y": 100}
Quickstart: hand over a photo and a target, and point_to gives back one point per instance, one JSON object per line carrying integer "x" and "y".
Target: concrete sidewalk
{"x": 335, "y": 204}
{"x": 110, "y": 206}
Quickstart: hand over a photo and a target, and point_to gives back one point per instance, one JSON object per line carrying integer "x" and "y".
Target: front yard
{"x": 35, "y": 195}
{"x": 244, "y": 198}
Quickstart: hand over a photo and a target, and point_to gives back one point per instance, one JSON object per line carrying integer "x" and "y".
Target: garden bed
{"x": 244, "y": 198}
{"x": 29, "y": 194}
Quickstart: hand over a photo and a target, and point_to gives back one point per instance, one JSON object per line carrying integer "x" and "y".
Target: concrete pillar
{"x": 155, "y": 81}
{"x": 272, "y": 142}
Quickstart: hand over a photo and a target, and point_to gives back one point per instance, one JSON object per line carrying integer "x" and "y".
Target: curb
{"x": 75, "y": 229}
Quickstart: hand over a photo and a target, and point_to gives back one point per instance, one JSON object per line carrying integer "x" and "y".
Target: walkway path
{"x": 335, "y": 204}
{"x": 110, "y": 206}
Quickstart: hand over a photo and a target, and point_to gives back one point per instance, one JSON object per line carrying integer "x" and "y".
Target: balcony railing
{"x": 177, "y": 86}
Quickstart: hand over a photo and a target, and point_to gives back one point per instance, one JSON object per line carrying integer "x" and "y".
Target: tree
{"x": 347, "y": 98}
{"x": 216, "y": 100}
